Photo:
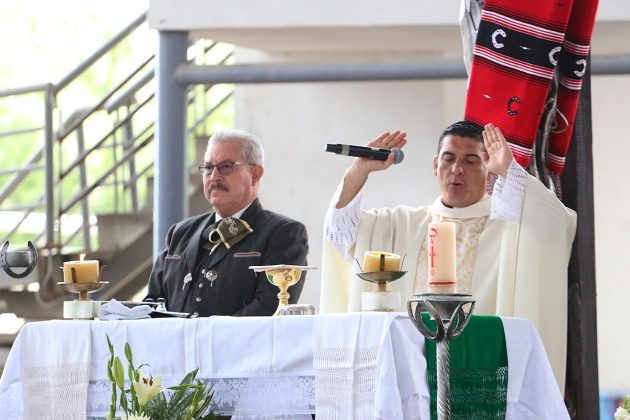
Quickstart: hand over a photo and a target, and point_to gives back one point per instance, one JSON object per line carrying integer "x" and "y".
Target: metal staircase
{"x": 81, "y": 170}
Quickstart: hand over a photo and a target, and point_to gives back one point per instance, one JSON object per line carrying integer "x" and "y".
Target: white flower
{"x": 622, "y": 414}
{"x": 147, "y": 388}
{"x": 136, "y": 417}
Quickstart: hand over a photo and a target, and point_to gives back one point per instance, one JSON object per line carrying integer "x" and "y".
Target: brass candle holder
{"x": 83, "y": 307}
{"x": 382, "y": 299}
{"x": 284, "y": 276}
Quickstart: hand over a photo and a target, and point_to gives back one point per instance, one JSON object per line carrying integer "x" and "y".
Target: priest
{"x": 513, "y": 246}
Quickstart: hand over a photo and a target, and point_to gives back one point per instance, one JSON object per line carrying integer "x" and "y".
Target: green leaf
{"x": 119, "y": 373}
{"x": 123, "y": 402}
{"x": 109, "y": 344}
{"x": 134, "y": 398}
{"x": 128, "y": 353}
{"x": 110, "y": 374}
{"x": 190, "y": 376}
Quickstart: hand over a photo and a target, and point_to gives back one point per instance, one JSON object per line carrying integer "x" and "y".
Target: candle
{"x": 372, "y": 261}
{"x": 441, "y": 261}
{"x": 86, "y": 271}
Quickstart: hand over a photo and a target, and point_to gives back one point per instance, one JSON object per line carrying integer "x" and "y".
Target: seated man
{"x": 204, "y": 266}
{"x": 513, "y": 248}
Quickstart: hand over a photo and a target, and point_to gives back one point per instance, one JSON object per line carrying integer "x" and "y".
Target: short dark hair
{"x": 462, "y": 128}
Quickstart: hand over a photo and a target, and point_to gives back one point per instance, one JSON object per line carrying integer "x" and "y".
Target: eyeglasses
{"x": 225, "y": 168}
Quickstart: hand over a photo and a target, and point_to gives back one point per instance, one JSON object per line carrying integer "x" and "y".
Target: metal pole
{"x": 96, "y": 55}
{"x": 170, "y": 161}
{"x": 444, "y": 378}
{"x": 329, "y": 72}
{"x": 49, "y": 103}
{"x": 85, "y": 205}
{"x": 191, "y": 74}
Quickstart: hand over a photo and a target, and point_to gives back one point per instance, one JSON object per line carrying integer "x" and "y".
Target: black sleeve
{"x": 156, "y": 278}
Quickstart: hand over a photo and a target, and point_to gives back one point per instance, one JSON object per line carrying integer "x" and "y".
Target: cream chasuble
{"x": 514, "y": 270}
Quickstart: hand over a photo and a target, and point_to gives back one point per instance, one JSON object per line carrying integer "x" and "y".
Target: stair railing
{"x": 80, "y": 162}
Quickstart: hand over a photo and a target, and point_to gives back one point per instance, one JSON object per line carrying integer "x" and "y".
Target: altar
{"x": 259, "y": 366}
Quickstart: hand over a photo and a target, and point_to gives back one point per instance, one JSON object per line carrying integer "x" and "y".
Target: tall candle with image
{"x": 441, "y": 257}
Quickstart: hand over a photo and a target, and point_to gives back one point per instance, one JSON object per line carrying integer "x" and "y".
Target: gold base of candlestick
{"x": 83, "y": 288}
{"x": 83, "y": 307}
{"x": 381, "y": 300}
{"x": 282, "y": 276}
{"x": 381, "y": 278}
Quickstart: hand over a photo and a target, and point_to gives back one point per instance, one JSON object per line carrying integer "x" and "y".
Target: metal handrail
{"x": 21, "y": 131}
{"x": 99, "y": 144}
{"x": 22, "y": 90}
{"x": 12, "y": 184}
{"x": 120, "y": 177}
{"x": 18, "y": 170}
{"x": 100, "y": 104}
{"x": 124, "y": 98}
{"x": 82, "y": 194}
{"x": 99, "y": 53}
{"x": 218, "y": 105}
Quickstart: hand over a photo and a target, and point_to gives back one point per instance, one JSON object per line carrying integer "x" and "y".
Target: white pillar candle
{"x": 441, "y": 261}
{"x": 86, "y": 271}
{"x": 372, "y": 261}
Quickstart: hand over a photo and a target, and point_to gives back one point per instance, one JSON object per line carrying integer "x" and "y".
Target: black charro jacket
{"x": 237, "y": 290}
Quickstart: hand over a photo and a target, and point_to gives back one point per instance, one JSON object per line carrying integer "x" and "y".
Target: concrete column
{"x": 170, "y": 202}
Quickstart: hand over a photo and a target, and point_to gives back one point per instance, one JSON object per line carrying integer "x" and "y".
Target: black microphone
{"x": 365, "y": 152}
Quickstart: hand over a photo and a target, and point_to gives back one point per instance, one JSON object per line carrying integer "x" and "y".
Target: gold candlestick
{"x": 83, "y": 307}
{"x": 381, "y": 300}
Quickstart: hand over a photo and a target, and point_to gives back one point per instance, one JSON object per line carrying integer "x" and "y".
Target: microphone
{"x": 365, "y": 152}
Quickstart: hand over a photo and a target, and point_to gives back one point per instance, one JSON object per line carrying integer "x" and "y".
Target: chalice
{"x": 284, "y": 276}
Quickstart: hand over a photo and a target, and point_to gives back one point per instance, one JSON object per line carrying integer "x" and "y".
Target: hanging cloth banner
{"x": 573, "y": 61}
{"x": 518, "y": 47}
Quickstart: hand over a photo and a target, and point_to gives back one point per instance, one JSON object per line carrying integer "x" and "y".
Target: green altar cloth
{"x": 479, "y": 370}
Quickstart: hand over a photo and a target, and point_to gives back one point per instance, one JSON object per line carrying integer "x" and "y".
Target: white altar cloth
{"x": 259, "y": 366}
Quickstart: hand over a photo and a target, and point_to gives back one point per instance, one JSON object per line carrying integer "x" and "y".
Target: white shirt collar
{"x": 237, "y": 215}
{"x": 478, "y": 209}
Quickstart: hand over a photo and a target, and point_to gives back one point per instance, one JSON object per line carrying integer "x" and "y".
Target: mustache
{"x": 217, "y": 186}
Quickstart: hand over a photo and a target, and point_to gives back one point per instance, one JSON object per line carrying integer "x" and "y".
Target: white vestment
{"x": 518, "y": 269}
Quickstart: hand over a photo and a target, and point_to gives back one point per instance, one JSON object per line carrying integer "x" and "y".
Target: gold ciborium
{"x": 282, "y": 276}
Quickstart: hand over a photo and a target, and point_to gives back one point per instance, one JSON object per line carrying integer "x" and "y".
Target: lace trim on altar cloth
{"x": 55, "y": 392}
{"x": 243, "y": 398}
{"x": 345, "y": 382}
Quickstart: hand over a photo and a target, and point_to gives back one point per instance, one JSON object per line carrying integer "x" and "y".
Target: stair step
{"x": 117, "y": 231}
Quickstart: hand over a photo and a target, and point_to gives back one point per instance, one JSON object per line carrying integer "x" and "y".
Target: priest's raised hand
{"x": 358, "y": 172}
{"x": 498, "y": 155}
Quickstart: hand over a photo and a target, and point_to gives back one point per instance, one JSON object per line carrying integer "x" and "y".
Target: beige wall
{"x": 295, "y": 121}
{"x": 611, "y": 150}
